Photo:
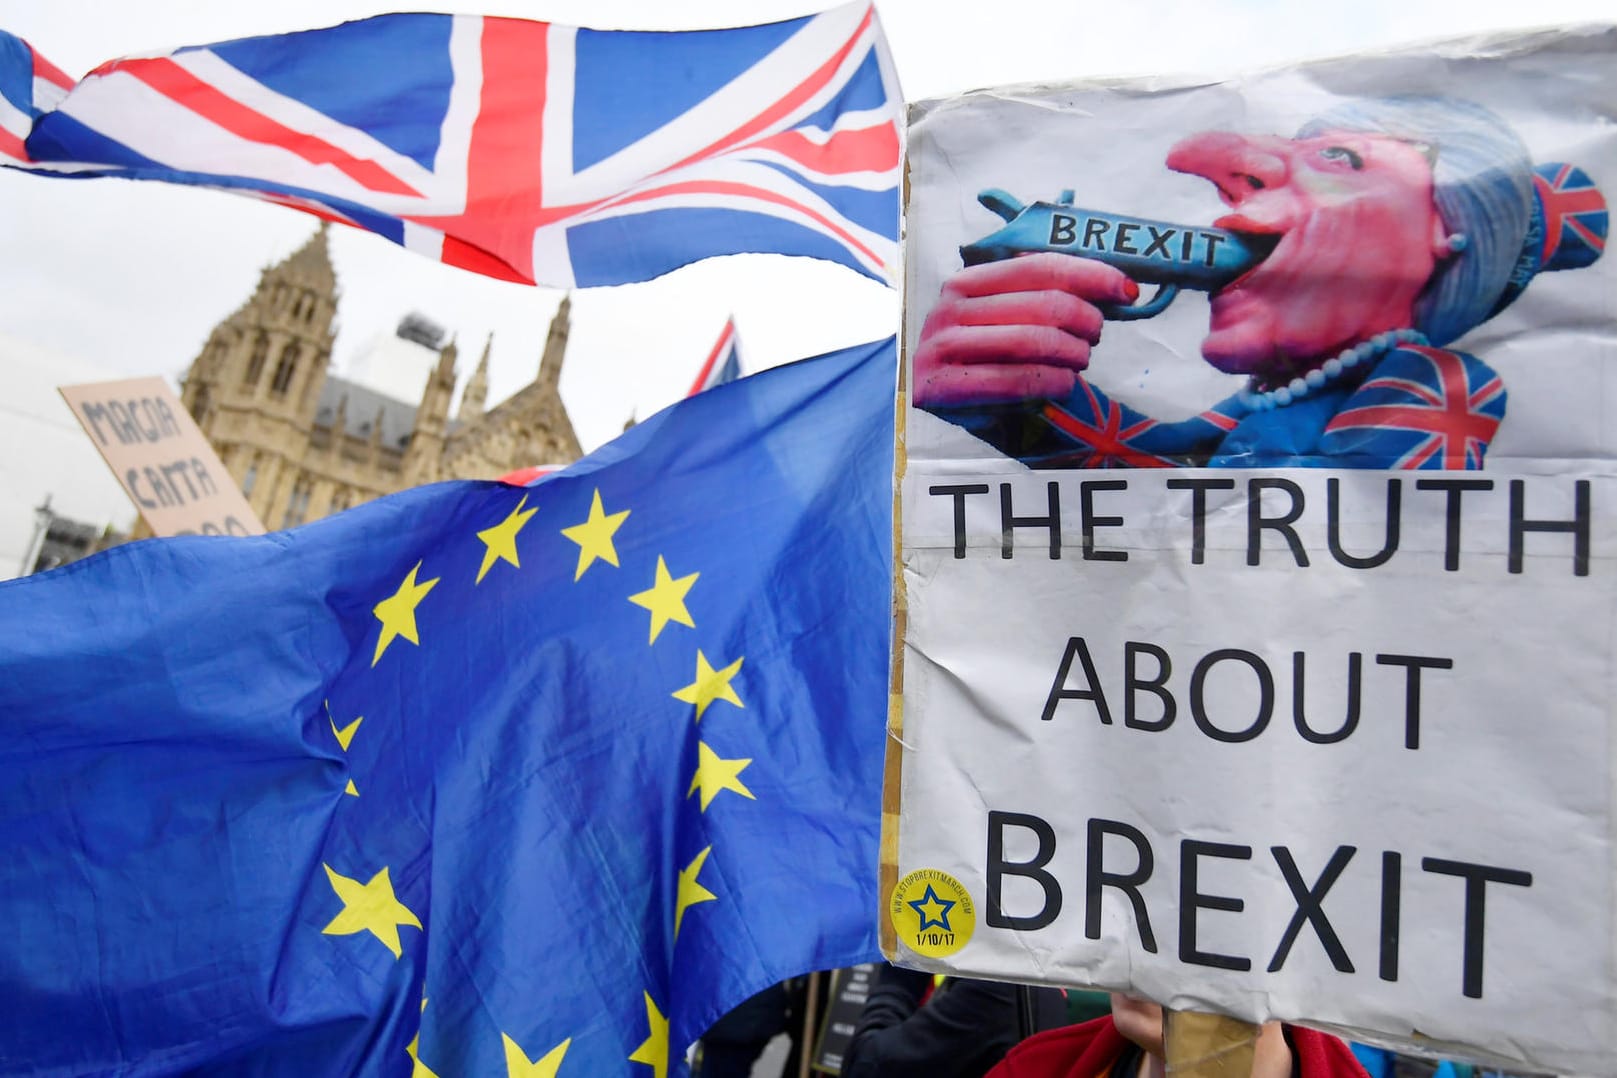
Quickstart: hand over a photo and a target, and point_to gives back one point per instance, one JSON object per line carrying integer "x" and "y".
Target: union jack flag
{"x": 531, "y": 475}
{"x": 1094, "y": 431}
{"x": 1103, "y": 434}
{"x": 30, "y": 85}
{"x": 723, "y": 364}
{"x": 1575, "y": 219}
{"x": 1423, "y": 408}
{"x": 523, "y": 150}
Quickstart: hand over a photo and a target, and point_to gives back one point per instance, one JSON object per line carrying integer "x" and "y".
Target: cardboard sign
{"x": 1303, "y": 708}
{"x": 161, "y": 457}
{"x": 849, "y": 990}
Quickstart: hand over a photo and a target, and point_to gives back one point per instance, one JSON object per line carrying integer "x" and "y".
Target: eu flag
{"x": 471, "y": 780}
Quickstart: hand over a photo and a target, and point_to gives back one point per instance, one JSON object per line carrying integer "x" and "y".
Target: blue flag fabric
{"x": 471, "y": 780}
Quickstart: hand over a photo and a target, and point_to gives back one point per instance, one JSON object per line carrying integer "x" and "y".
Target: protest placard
{"x": 161, "y": 457}
{"x": 1304, "y": 711}
{"x": 846, "y": 1002}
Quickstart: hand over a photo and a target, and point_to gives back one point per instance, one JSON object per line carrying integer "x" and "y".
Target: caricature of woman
{"x": 1401, "y": 224}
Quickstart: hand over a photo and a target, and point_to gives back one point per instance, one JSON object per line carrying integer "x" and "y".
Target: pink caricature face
{"x": 1360, "y": 237}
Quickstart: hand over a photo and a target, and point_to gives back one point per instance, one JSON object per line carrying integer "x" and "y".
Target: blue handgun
{"x": 1167, "y": 255}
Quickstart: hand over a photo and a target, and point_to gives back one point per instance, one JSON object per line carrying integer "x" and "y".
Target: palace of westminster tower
{"x": 303, "y": 443}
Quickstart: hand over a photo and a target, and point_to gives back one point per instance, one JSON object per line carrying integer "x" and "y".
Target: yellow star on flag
{"x": 345, "y": 737}
{"x": 691, "y": 892}
{"x": 666, "y": 599}
{"x": 369, "y": 907}
{"x": 418, "y": 1069}
{"x": 517, "y": 1064}
{"x": 710, "y": 685}
{"x": 653, "y": 1051}
{"x": 501, "y": 540}
{"x": 594, "y": 536}
{"x": 714, "y": 775}
{"x": 397, "y": 612}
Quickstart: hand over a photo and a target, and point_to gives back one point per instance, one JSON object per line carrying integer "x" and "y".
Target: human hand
{"x": 1020, "y": 329}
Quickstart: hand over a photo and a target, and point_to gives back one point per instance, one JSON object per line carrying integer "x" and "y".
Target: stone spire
{"x": 423, "y": 460}
{"x": 299, "y": 292}
{"x": 311, "y": 263}
{"x": 434, "y": 410}
{"x": 375, "y": 441}
{"x": 475, "y": 396}
{"x": 556, "y": 344}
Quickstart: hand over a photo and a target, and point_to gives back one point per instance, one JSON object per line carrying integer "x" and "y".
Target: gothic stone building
{"x": 302, "y": 443}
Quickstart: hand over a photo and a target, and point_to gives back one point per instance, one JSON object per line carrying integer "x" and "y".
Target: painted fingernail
{"x": 1131, "y": 290}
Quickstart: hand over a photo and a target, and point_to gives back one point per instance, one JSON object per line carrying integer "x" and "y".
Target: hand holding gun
{"x": 1019, "y": 321}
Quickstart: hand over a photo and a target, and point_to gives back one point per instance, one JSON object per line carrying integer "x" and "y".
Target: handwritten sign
{"x": 161, "y": 457}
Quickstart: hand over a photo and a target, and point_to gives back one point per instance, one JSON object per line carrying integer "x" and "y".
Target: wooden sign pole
{"x": 810, "y": 1022}
{"x": 1198, "y": 1045}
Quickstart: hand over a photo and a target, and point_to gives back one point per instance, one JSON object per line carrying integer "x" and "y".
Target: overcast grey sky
{"x": 131, "y": 276}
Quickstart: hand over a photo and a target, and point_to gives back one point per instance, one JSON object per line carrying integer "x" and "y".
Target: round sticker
{"x": 932, "y": 912}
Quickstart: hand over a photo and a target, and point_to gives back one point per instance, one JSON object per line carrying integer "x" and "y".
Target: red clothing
{"x": 1089, "y": 1051}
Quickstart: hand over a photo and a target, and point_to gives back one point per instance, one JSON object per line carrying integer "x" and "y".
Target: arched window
{"x": 255, "y": 365}
{"x": 199, "y": 407}
{"x": 341, "y": 500}
{"x": 297, "y": 506}
{"x": 251, "y": 477}
{"x": 285, "y": 369}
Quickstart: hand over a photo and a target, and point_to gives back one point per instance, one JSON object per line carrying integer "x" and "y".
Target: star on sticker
{"x": 369, "y": 907}
{"x": 931, "y": 901}
{"x": 653, "y": 1051}
{"x": 345, "y": 737}
{"x": 418, "y": 1069}
{"x": 690, "y": 891}
{"x": 517, "y": 1064}
{"x": 501, "y": 540}
{"x": 714, "y": 775}
{"x": 666, "y": 599}
{"x": 710, "y": 685}
{"x": 594, "y": 536}
{"x": 397, "y": 612}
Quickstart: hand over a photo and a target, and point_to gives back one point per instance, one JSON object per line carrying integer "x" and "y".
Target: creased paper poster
{"x": 1258, "y": 535}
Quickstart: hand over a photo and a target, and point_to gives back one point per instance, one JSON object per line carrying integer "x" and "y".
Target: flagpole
{"x": 1201, "y": 1045}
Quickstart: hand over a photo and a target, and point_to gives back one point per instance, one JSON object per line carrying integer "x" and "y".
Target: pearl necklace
{"x": 1329, "y": 371}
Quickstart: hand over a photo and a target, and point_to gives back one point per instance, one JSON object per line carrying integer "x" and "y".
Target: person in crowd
{"x": 959, "y": 1030}
{"x": 1398, "y": 225}
{"x": 1128, "y": 1044}
{"x": 733, "y": 1044}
